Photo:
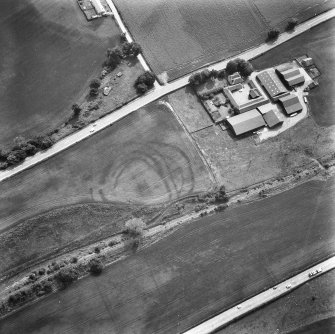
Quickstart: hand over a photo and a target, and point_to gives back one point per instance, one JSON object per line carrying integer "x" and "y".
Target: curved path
{"x": 259, "y": 300}
{"x": 153, "y": 95}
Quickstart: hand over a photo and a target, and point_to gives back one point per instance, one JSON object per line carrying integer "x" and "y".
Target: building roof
{"x": 296, "y": 80}
{"x": 272, "y": 119}
{"x": 99, "y": 8}
{"x": 254, "y": 93}
{"x": 234, "y": 78}
{"x": 248, "y": 121}
{"x": 291, "y": 104}
{"x": 270, "y": 81}
{"x": 307, "y": 61}
{"x": 291, "y": 72}
{"x": 235, "y": 87}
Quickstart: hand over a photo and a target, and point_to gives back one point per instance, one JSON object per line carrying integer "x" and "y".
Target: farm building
{"x": 272, "y": 84}
{"x": 99, "y": 8}
{"x": 307, "y": 62}
{"x": 254, "y": 93}
{"x": 235, "y": 78}
{"x": 291, "y": 76}
{"x": 246, "y": 122}
{"x": 291, "y": 104}
{"x": 272, "y": 119}
{"x": 243, "y": 98}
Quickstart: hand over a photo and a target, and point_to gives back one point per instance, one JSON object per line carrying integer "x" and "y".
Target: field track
{"x": 200, "y": 270}
{"x": 179, "y": 36}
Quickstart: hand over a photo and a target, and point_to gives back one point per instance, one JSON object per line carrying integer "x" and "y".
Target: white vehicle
{"x": 288, "y": 286}
{"x": 305, "y": 99}
{"x": 92, "y": 130}
{"x": 295, "y": 114}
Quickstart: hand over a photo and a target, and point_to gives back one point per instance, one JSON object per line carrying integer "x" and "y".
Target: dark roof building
{"x": 246, "y": 122}
{"x": 254, "y": 93}
{"x": 291, "y": 77}
{"x": 272, "y": 84}
{"x": 234, "y": 78}
{"x": 272, "y": 119}
{"x": 291, "y": 104}
{"x": 236, "y": 87}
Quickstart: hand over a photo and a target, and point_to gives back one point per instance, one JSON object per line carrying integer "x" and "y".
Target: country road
{"x": 153, "y": 95}
{"x": 217, "y": 322}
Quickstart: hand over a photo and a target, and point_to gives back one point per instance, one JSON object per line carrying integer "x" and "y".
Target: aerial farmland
{"x": 168, "y": 166}
{"x": 180, "y": 36}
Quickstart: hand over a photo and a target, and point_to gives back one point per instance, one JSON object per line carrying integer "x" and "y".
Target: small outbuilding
{"x": 254, "y": 94}
{"x": 271, "y": 119}
{"x": 246, "y": 122}
{"x": 235, "y": 78}
{"x": 307, "y": 62}
{"x": 291, "y": 104}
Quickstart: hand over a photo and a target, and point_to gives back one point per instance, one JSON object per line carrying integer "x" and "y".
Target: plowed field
{"x": 179, "y": 36}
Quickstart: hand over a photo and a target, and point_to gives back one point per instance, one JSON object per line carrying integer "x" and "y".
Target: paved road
{"x": 154, "y": 95}
{"x": 259, "y": 300}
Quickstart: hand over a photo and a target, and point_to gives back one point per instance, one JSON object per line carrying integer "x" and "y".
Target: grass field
{"x": 310, "y": 309}
{"x": 146, "y": 158}
{"x": 179, "y": 36}
{"x": 203, "y": 268}
{"x": 241, "y": 162}
{"x": 319, "y": 43}
{"x": 189, "y": 109}
{"x": 48, "y": 54}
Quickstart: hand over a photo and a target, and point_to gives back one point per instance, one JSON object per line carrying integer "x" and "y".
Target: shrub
{"x": 41, "y": 142}
{"x": 94, "y": 92}
{"x": 112, "y": 243}
{"x": 221, "y": 195}
{"x": 16, "y": 156}
{"x": 291, "y": 24}
{"x": 131, "y": 49}
{"x": 273, "y": 34}
{"x": 142, "y": 88}
{"x": 76, "y": 109}
{"x": 114, "y": 57}
{"x": 231, "y": 66}
{"x": 3, "y": 165}
{"x": 123, "y": 37}
{"x": 41, "y": 272}
{"x": 95, "y": 83}
{"x": 4, "y": 154}
{"x": 144, "y": 82}
{"x": 97, "y": 250}
{"x": 67, "y": 276}
{"x": 244, "y": 67}
{"x": 134, "y": 227}
{"x": 74, "y": 259}
{"x": 95, "y": 267}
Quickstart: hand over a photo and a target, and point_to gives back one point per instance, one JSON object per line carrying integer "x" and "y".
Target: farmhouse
{"x": 291, "y": 104}
{"x": 271, "y": 119}
{"x": 291, "y": 76}
{"x": 245, "y": 98}
{"x": 246, "y": 122}
{"x": 235, "y": 78}
{"x": 272, "y": 84}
